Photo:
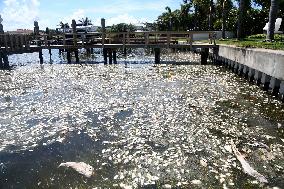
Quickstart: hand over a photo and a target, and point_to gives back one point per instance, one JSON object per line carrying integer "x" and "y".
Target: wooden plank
{"x": 146, "y": 38}
{"x": 16, "y": 37}
{"x": 128, "y": 38}
{"x": 168, "y": 39}
{"x": 45, "y": 41}
{"x": 124, "y": 40}
{"x": 11, "y": 40}
{"x": 22, "y": 41}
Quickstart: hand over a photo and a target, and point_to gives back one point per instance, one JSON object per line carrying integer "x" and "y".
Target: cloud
{"x": 122, "y": 18}
{"x": 126, "y": 6}
{"x": 76, "y": 15}
{"x": 20, "y": 13}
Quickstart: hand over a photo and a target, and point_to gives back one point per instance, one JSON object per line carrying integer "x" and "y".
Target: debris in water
{"x": 246, "y": 167}
{"x": 80, "y": 167}
{"x": 196, "y": 182}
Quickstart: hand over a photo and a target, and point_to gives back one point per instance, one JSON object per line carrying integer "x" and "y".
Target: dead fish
{"x": 246, "y": 166}
{"x": 80, "y": 167}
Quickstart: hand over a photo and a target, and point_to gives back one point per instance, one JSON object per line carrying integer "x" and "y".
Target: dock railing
{"x": 24, "y": 42}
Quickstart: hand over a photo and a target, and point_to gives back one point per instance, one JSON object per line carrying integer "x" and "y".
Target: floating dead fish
{"x": 246, "y": 167}
{"x": 80, "y": 167}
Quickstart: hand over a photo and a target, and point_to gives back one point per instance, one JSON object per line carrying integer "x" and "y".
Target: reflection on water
{"x": 140, "y": 125}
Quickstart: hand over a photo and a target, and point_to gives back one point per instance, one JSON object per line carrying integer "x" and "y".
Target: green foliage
{"x": 122, "y": 27}
{"x": 256, "y": 41}
{"x": 194, "y": 15}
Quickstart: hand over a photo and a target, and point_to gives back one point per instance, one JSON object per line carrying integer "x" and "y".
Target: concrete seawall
{"x": 263, "y": 66}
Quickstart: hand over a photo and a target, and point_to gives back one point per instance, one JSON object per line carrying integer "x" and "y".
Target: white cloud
{"x": 77, "y": 15}
{"x": 122, "y": 18}
{"x": 20, "y": 13}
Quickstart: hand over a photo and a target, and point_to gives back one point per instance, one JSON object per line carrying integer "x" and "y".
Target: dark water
{"x": 138, "y": 125}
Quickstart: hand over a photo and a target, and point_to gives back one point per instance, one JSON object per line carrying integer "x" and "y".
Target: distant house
{"x": 277, "y": 26}
{"x": 90, "y": 28}
{"x": 21, "y": 31}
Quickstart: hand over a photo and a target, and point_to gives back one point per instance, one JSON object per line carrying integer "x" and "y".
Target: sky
{"x": 20, "y": 14}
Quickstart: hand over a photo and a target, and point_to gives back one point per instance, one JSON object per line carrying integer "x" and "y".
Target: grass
{"x": 256, "y": 41}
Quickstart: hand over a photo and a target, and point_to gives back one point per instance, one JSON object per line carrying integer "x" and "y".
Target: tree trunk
{"x": 224, "y": 17}
{"x": 240, "y": 32}
{"x": 272, "y": 19}
{"x": 210, "y": 17}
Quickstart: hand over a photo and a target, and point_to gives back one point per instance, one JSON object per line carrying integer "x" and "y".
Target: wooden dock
{"x": 108, "y": 41}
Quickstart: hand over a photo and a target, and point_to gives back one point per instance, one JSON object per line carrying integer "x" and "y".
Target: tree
{"x": 240, "y": 32}
{"x": 272, "y": 18}
{"x": 64, "y": 26}
{"x": 86, "y": 21}
{"x": 210, "y": 17}
{"x": 122, "y": 27}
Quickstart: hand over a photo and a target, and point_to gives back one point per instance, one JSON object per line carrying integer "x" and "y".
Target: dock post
{"x": 103, "y": 24}
{"x": 40, "y": 57}
{"x": 157, "y": 55}
{"x": 114, "y": 57}
{"x": 92, "y": 51}
{"x": 204, "y": 56}
{"x": 74, "y": 32}
{"x": 105, "y": 55}
{"x": 77, "y": 56}
{"x": 68, "y": 56}
{"x": 110, "y": 56}
{"x": 5, "y": 60}
{"x": 1, "y": 62}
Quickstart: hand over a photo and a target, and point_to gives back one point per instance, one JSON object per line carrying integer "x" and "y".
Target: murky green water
{"x": 138, "y": 125}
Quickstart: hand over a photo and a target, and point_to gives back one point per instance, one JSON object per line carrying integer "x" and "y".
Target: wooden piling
{"x": 77, "y": 56}
{"x": 105, "y": 55}
{"x": 40, "y": 57}
{"x": 74, "y": 33}
{"x": 204, "y": 56}
{"x": 1, "y": 62}
{"x": 68, "y": 56}
{"x": 157, "y": 52}
{"x": 5, "y": 60}
{"x": 103, "y": 23}
{"x": 114, "y": 57}
{"x": 110, "y": 56}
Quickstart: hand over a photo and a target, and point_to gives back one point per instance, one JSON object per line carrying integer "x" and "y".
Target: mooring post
{"x": 157, "y": 52}
{"x": 110, "y": 56}
{"x": 204, "y": 56}
{"x": 40, "y": 57}
{"x": 68, "y": 56}
{"x": 74, "y": 32}
{"x": 5, "y": 60}
{"x": 103, "y": 23}
{"x": 1, "y": 62}
{"x": 105, "y": 55}
{"x": 77, "y": 55}
{"x": 92, "y": 51}
{"x": 114, "y": 57}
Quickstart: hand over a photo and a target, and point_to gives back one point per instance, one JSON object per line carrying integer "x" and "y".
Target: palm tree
{"x": 64, "y": 26}
{"x": 240, "y": 33}
{"x": 226, "y": 7}
{"x": 86, "y": 21}
{"x": 210, "y": 17}
{"x": 170, "y": 17}
{"x": 272, "y": 19}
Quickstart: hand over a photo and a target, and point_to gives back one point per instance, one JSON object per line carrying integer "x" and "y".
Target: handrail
{"x": 14, "y": 42}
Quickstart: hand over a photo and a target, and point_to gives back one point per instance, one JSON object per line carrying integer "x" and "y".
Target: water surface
{"x": 138, "y": 125}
